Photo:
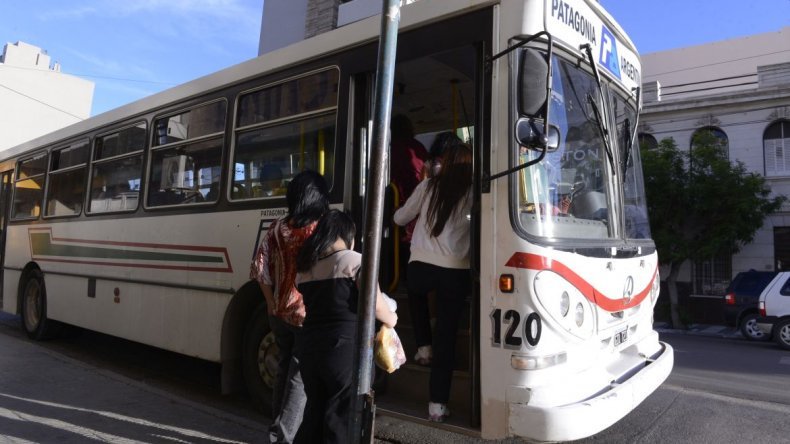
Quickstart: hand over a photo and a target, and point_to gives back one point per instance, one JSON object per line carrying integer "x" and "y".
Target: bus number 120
{"x": 530, "y": 332}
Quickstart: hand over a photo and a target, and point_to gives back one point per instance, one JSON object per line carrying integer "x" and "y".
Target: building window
{"x": 647, "y": 141}
{"x": 782, "y": 248}
{"x": 711, "y": 135}
{"x": 776, "y": 146}
{"x": 711, "y": 276}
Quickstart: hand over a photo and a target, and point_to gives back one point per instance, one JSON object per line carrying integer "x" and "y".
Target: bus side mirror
{"x": 529, "y": 133}
{"x": 533, "y": 83}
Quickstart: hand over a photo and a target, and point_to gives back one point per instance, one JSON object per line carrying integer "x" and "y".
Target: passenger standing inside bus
{"x": 433, "y": 166}
{"x": 407, "y": 161}
{"x": 328, "y": 267}
{"x": 438, "y": 147}
{"x": 274, "y": 268}
{"x": 440, "y": 262}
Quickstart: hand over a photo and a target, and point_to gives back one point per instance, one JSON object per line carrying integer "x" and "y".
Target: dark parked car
{"x": 740, "y": 302}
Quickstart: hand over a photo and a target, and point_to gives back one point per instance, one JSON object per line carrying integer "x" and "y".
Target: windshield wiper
{"x": 632, "y": 131}
{"x": 602, "y": 128}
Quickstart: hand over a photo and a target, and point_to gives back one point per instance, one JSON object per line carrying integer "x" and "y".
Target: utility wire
{"x": 43, "y": 103}
{"x": 93, "y": 76}
{"x": 720, "y": 79}
{"x": 716, "y": 63}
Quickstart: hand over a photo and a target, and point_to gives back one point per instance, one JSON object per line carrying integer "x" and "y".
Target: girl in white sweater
{"x": 440, "y": 262}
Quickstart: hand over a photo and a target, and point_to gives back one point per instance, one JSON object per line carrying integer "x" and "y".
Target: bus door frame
{"x": 6, "y": 184}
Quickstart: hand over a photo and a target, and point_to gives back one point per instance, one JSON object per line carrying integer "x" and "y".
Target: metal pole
{"x": 364, "y": 410}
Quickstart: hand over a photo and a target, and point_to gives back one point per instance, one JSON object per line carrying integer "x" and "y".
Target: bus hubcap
{"x": 32, "y": 305}
{"x": 268, "y": 356}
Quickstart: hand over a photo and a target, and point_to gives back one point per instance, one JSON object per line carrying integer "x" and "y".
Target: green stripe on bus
{"x": 41, "y": 244}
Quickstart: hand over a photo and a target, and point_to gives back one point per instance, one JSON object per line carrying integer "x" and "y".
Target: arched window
{"x": 776, "y": 146}
{"x": 711, "y": 135}
{"x": 647, "y": 141}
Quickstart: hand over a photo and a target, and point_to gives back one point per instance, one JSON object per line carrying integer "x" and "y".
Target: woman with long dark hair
{"x": 440, "y": 262}
{"x": 328, "y": 267}
{"x": 274, "y": 267}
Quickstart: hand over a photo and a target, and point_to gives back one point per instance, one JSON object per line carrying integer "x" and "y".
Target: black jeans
{"x": 451, "y": 286}
{"x": 327, "y": 365}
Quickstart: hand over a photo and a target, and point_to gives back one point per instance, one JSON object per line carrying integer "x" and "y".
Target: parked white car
{"x": 774, "y": 308}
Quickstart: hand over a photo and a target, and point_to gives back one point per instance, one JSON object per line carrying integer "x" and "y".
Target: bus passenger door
{"x": 435, "y": 94}
{"x": 362, "y": 119}
{"x": 5, "y": 205}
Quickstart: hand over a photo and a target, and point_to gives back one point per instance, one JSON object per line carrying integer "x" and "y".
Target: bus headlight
{"x": 562, "y": 304}
{"x": 579, "y": 317}
{"x": 655, "y": 289}
{"x": 565, "y": 304}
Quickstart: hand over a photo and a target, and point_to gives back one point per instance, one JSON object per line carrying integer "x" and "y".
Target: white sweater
{"x": 451, "y": 248}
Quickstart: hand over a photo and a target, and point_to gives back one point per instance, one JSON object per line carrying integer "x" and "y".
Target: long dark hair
{"x": 442, "y": 142}
{"x": 449, "y": 187}
{"x": 335, "y": 224}
{"x": 307, "y": 198}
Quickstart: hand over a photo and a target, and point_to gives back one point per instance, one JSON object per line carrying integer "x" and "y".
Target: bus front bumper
{"x": 588, "y": 417}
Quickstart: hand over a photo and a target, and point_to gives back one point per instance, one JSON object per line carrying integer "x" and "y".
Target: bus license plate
{"x": 620, "y": 337}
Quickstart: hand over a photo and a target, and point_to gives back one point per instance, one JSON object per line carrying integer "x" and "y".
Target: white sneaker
{"x": 424, "y": 355}
{"x": 437, "y": 412}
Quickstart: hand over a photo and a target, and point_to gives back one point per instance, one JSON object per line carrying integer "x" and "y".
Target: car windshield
{"x": 567, "y": 194}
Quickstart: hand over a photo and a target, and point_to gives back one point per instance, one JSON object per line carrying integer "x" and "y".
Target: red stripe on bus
{"x": 539, "y": 263}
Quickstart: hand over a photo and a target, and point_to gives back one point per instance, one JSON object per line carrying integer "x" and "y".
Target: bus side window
{"x": 284, "y": 129}
{"x": 186, "y": 159}
{"x": 29, "y": 187}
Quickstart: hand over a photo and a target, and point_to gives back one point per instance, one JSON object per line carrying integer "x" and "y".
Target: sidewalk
{"x": 719, "y": 331}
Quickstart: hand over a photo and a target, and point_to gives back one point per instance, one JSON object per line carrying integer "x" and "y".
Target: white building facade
{"x": 739, "y": 90}
{"x": 35, "y": 97}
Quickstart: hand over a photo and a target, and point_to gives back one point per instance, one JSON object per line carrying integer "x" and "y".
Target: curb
{"x": 719, "y": 331}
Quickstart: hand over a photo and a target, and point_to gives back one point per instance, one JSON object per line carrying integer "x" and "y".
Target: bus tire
{"x": 259, "y": 359}
{"x": 34, "y": 308}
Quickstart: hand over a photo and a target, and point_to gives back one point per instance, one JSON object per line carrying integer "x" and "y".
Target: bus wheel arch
{"x": 32, "y": 305}
{"x": 240, "y": 316}
{"x": 259, "y": 359}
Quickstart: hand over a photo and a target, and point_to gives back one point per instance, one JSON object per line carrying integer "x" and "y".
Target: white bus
{"x": 141, "y": 222}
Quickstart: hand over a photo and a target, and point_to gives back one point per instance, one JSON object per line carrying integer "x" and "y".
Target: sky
{"x": 134, "y": 48}
{"x": 131, "y": 49}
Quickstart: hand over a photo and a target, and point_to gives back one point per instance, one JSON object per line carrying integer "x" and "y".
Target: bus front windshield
{"x": 635, "y": 207}
{"x": 568, "y": 194}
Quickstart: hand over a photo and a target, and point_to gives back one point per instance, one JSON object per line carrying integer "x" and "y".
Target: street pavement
{"x": 46, "y": 397}
{"x": 55, "y": 398}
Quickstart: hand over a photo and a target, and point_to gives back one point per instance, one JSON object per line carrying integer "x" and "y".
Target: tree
{"x": 701, "y": 205}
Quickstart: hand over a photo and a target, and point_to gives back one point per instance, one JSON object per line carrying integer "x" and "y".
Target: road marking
{"x": 87, "y": 432}
{"x": 785, "y": 360}
{"x": 62, "y": 425}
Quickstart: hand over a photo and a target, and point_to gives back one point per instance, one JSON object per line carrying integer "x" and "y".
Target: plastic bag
{"x": 387, "y": 350}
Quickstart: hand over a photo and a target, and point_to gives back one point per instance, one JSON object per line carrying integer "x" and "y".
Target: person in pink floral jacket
{"x": 274, "y": 268}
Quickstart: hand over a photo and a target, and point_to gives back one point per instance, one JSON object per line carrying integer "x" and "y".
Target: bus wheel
{"x": 259, "y": 359}
{"x": 34, "y": 308}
